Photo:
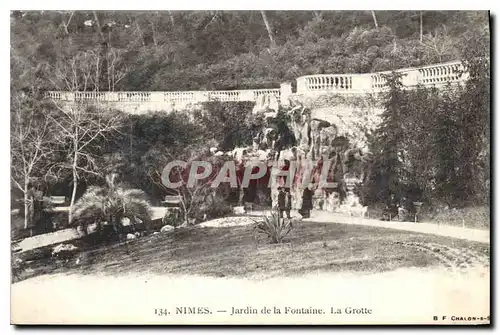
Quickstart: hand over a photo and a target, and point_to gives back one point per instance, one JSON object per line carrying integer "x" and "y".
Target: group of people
{"x": 285, "y": 202}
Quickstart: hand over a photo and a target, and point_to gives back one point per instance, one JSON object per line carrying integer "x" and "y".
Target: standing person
{"x": 284, "y": 202}
{"x": 307, "y": 206}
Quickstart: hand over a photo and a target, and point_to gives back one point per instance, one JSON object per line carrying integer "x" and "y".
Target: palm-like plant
{"x": 110, "y": 204}
{"x": 274, "y": 226}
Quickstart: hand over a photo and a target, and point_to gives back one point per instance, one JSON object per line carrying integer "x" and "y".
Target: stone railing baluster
{"x": 438, "y": 74}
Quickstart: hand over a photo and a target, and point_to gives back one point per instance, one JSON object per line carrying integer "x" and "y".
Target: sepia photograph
{"x": 250, "y": 167}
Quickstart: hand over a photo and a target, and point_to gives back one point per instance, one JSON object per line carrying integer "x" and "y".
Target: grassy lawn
{"x": 310, "y": 247}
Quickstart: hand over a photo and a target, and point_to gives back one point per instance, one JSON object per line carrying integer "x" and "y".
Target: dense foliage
{"x": 197, "y": 50}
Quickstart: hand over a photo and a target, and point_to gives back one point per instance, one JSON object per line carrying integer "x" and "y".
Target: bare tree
{"x": 31, "y": 146}
{"x": 116, "y": 70}
{"x": 84, "y": 70}
{"x": 193, "y": 196}
{"x": 269, "y": 29}
{"x": 438, "y": 46}
{"x": 81, "y": 72}
{"x": 80, "y": 128}
{"x": 374, "y": 19}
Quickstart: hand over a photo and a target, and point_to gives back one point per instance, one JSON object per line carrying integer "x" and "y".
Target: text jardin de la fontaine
{"x": 291, "y": 310}
{"x": 274, "y": 310}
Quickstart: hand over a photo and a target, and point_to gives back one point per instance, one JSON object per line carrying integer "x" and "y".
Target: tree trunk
{"x": 421, "y": 27}
{"x": 117, "y": 227}
{"x": 26, "y": 205}
{"x": 269, "y": 29}
{"x": 140, "y": 33}
{"x": 75, "y": 185}
{"x": 171, "y": 18}
{"x": 374, "y": 19}
{"x": 155, "y": 42}
{"x": 99, "y": 26}
{"x": 187, "y": 211}
{"x": 66, "y": 24}
{"x": 241, "y": 197}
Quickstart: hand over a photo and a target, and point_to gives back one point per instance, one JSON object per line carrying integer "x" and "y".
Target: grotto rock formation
{"x": 318, "y": 150}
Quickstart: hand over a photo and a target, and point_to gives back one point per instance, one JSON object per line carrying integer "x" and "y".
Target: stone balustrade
{"x": 438, "y": 74}
{"x": 164, "y": 97}
{"x": 333, "y": 82}
{"x": 442, "y": 73}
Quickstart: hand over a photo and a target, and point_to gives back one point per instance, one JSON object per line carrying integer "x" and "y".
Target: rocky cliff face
{"x": 325, "y": 144}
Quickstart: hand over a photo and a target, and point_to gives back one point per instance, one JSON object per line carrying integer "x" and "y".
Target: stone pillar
{"x": 285, "y": 93}
{"x": 247, "y": 95}
{"x": 362, "y": 83}
{"x": 152, "y": 97}
{"x": 302, "y": 85}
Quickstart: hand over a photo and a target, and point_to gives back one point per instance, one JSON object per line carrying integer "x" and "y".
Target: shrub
{"x": 17, "y": 267}
{"x": 217, "y": 208}
{"x": 173, "y": 217}
{"x": 110, "y": 204}
{"x": 274, "y": 227}
{"x": 473, "y": 217}
{"x": 64, "y": 251}
{"x": 213, "y": 207}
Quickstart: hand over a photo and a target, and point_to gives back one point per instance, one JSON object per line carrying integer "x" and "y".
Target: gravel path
{"x": 477, "y": 235}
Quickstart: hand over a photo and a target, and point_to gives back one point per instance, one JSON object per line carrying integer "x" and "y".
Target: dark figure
{"x": 284, "y": 202}
{"x": 391, "y": 209}
{"x": 307, "y": 204}
{"x": 406, "y": 209}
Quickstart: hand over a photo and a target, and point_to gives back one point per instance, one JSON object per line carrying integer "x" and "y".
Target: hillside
{"x": 196, "y": 50}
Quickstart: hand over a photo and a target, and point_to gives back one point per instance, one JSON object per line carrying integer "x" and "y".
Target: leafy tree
{"x": 390, "y": 166}
{"x": 475, "y": 116}
{"x": 433, "y": 144}
{"x": 149, "y": 142}
{"x": 225, "y": 123}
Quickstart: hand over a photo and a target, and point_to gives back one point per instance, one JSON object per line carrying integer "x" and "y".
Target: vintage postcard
{"x": 255, "y": 167}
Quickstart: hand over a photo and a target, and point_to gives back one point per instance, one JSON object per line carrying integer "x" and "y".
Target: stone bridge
{"x": 309, "y": 88}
